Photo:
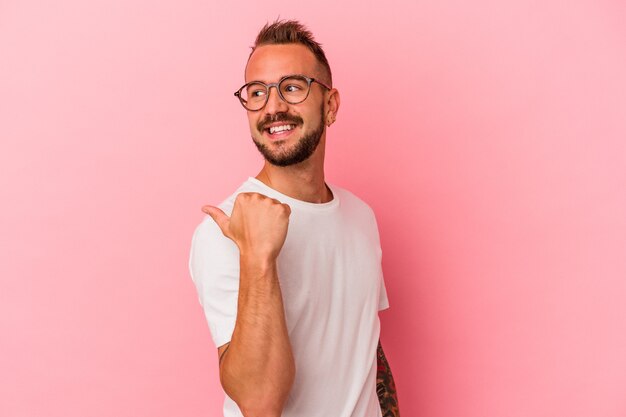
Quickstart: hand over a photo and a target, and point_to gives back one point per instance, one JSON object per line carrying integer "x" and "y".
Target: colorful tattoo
{"x": 386, "y": 387}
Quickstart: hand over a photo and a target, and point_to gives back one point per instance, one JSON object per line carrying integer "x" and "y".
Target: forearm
{"x": 385, "y": 386}
{"x": 258, "y": 369}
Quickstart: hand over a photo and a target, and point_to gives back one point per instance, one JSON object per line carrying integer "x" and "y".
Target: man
{"x": 288, "y": 268}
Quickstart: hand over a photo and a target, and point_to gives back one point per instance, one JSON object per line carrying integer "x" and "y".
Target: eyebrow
{"x": 279, "y": 78}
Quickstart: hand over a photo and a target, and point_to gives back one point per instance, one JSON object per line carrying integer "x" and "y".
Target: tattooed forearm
{"x": 385, "y": 386}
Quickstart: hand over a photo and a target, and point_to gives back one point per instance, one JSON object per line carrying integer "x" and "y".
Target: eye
{"x": 291, "y": 88}
{"x": 294, "y": 86}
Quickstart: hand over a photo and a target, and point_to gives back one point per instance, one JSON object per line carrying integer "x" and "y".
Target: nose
{"x": 275, "y": 104}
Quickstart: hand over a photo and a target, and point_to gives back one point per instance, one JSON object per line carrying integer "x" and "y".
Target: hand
{"x": 258, "y": 224}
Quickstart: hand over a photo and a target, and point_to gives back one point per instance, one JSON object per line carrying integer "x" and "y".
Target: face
{"x": 283, "y": 148}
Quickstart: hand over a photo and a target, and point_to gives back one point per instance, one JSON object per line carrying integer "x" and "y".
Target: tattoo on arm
{"x": 386, "y": 387}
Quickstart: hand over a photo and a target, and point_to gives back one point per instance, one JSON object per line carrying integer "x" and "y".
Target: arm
{"x": 385, "y": 386}
{"x": 257, "y": 367}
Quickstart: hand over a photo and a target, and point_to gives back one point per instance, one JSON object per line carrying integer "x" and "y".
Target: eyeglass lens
{"x": 293, "y": 90}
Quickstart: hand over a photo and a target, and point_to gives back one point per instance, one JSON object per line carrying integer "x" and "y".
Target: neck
{"x": 303, "y": 181}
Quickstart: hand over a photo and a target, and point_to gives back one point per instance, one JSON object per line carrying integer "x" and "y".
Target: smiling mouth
{"x": 273, "y": 130}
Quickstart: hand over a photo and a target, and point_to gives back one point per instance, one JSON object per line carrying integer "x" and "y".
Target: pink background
{"x": 488, "y": 136}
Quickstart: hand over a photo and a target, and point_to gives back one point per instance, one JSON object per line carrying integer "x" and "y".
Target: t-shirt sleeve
{"x": 214, "y": 269}
{"x": 383, "y": 301}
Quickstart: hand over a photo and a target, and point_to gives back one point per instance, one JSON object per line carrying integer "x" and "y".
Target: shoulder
{"x": 207, "y": 224}
{"x": 359, "y": 212}
{"x": 352, "y": 202}
{"x": 207, "y": 233}
{"x": 247, "y": 186}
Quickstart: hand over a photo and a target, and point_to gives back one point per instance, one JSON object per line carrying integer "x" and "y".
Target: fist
{"x": 258, "y": 224}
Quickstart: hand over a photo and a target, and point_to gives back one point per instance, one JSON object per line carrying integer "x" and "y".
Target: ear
{"x": 332, "y": 106}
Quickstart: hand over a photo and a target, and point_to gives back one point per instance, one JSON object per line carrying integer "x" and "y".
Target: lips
{"x": 282, "y": 133}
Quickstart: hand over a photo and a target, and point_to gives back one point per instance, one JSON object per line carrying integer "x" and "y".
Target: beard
{"x": 302, "y": 150}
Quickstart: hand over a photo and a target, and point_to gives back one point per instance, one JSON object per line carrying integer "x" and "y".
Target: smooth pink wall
{"x": 488, "y": 136}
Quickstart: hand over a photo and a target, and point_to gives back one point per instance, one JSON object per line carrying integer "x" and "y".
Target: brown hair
{"x": 292, "y": 31}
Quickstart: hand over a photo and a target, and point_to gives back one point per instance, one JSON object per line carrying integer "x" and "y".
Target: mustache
{"x": 278, "y": 117}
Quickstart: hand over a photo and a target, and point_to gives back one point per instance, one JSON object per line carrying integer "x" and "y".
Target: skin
{"x": 257, "y": 367}
{"x": 305, "y": 180}
{"x": 385, "y": 386}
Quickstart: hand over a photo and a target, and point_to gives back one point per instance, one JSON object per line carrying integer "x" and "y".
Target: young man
{"x": 288, "y": 268}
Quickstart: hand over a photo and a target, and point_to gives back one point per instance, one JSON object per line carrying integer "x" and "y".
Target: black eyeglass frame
{"x": 309, "y": 81}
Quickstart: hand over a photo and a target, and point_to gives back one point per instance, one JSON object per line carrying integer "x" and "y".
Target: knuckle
{"x": 240, "y": 197}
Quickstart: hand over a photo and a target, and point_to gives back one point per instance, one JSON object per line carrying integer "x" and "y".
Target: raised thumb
{"x": 219, "y": 217}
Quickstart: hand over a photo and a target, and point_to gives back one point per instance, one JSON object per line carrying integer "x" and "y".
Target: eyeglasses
{"x": 292, "y": 89}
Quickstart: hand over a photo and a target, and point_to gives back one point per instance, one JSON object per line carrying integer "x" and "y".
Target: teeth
{"x": 281, "y": 128}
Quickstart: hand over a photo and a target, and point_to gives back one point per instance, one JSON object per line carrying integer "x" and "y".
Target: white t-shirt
{"x": 332, "y": 285}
